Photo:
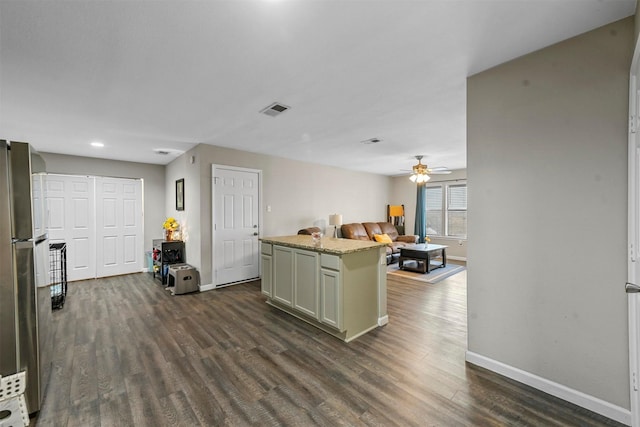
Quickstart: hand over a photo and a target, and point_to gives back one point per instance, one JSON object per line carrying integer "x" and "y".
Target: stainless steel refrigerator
{"x": 25, "y": 300}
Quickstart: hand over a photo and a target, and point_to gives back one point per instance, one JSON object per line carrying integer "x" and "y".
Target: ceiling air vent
{"x": 274, "y": 109}
{"x": 167, "y": 151}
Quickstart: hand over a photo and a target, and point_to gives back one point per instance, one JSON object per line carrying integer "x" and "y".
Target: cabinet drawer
{"x": 266, "y": 248}
{"x": 330, "y": 261}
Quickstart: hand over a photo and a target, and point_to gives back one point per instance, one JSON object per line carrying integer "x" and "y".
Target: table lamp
{"x": 335, "y": 220}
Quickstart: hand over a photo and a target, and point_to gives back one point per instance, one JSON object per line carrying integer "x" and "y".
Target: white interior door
{"x": 633, "y": 274}
{"x": 119, "y": 230}
{"x": 236, "y": 224}
{"x": 71, "y": 207}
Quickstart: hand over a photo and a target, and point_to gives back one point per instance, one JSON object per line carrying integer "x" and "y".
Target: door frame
{"x": 633, "y": 266}
{"x": 214, "y": 168}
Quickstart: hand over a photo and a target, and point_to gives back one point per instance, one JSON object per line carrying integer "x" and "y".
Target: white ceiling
{"x": 140, "y": 76}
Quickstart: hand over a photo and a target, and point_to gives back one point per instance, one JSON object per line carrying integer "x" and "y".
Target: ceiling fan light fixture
{"x": 422, "y": 178}
{"x": 419, "y": 178}
{"x": 420, "y": 172}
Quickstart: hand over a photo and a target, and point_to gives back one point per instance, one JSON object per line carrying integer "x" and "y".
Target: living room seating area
{"x": 383, "y": 232}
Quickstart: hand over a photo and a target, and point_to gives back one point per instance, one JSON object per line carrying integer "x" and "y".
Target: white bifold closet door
{"x": 71, "y": 217}
{"x": 100, "y": 219}
{"x": 119, "y": 231}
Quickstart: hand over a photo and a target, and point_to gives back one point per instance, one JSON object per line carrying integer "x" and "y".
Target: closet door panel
{"x": 71, "y": 208}
{"x": 119, "y": 228}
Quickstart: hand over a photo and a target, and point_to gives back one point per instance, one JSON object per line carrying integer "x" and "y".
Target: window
{"x": 447, "y": 209}
{"x": 434, "y": 211}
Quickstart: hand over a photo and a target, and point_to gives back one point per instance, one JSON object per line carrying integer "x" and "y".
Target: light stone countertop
{"x": 327, "y": 245}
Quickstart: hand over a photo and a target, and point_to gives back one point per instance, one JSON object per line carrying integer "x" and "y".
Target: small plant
{"x": 170, "y": 224}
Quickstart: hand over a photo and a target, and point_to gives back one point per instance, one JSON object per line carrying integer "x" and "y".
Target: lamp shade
{"x": 335, "y": 219}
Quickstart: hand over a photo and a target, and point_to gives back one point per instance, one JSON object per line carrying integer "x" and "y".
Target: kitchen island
{"x": 337, "y": 285}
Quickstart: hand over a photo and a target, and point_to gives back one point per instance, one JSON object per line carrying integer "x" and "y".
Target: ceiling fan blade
{"x": 440, "y": 172}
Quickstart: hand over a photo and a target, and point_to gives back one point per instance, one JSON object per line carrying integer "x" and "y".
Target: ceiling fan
{"x": 421, "y": 172}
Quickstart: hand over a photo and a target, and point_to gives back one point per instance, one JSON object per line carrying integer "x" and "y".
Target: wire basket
{"x": 58, "y": 274}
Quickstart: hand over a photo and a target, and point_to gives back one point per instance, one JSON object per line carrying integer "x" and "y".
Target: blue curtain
{"x": 420, "y": 227}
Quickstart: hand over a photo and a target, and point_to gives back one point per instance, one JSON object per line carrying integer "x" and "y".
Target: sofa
{"x": 309, "y": 231}
{"x": 376, "y": 231}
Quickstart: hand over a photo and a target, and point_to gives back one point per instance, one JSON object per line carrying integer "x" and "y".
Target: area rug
{"x": 433, "y": 277}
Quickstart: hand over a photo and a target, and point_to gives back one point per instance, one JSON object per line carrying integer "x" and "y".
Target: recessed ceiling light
{"x": 97, "y": 144}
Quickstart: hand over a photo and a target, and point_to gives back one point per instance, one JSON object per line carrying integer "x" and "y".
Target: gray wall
{"x": 153, "y": 177}
{"x": 547, "y": 173}
{"x": 300, "y": 195}
{"x": 403, "y": 191}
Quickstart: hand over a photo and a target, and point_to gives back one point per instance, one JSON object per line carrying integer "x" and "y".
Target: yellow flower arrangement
{"x": 170, "y": 224}
{"x": 427, "y": 239}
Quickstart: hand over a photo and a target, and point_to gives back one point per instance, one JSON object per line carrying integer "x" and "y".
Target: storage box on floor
{"x": 183, "y": 279}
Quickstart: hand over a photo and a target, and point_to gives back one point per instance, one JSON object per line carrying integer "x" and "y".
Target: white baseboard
{"x": 457, "y": 258}
{"x": 208, "y": 287}
{"x": 576, "y": 397}
{"x": 383, "y": 320}
{"x": 212, "y": 286}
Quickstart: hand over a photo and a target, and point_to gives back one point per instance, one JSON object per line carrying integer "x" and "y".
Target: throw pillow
{"x": 382, "y": 238}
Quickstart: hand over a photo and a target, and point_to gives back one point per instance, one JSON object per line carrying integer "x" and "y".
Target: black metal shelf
{"x": 165, "y": 253}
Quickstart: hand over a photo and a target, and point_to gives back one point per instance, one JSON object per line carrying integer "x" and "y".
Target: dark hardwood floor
{"x": 128, "y": 353}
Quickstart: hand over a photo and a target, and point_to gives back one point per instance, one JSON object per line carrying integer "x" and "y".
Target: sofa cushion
{"x": 372, "y": 229}
{"x": 389, "y": 229}
{"x": 354, "y": 231}
{"x": 410, "y": 238}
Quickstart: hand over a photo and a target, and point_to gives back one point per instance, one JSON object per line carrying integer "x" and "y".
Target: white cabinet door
{"x": 283, "y": 275}
{"x": 119, "y": 229}
{"x": 71, "y": 208}
{"x": 305, "y": 282}
{"x": 266, "y": 256}
{"x": 330, "y": 298}
{"x": 267, "y": 272}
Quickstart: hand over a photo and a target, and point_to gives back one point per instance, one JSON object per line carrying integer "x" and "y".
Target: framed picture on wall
{"x": 180, "y": 194}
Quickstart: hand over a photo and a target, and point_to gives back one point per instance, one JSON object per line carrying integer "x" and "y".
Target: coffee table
{"x": 422, "y": 254}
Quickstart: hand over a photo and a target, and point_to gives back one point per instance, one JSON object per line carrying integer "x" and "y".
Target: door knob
{"x": 255, "y": 234}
